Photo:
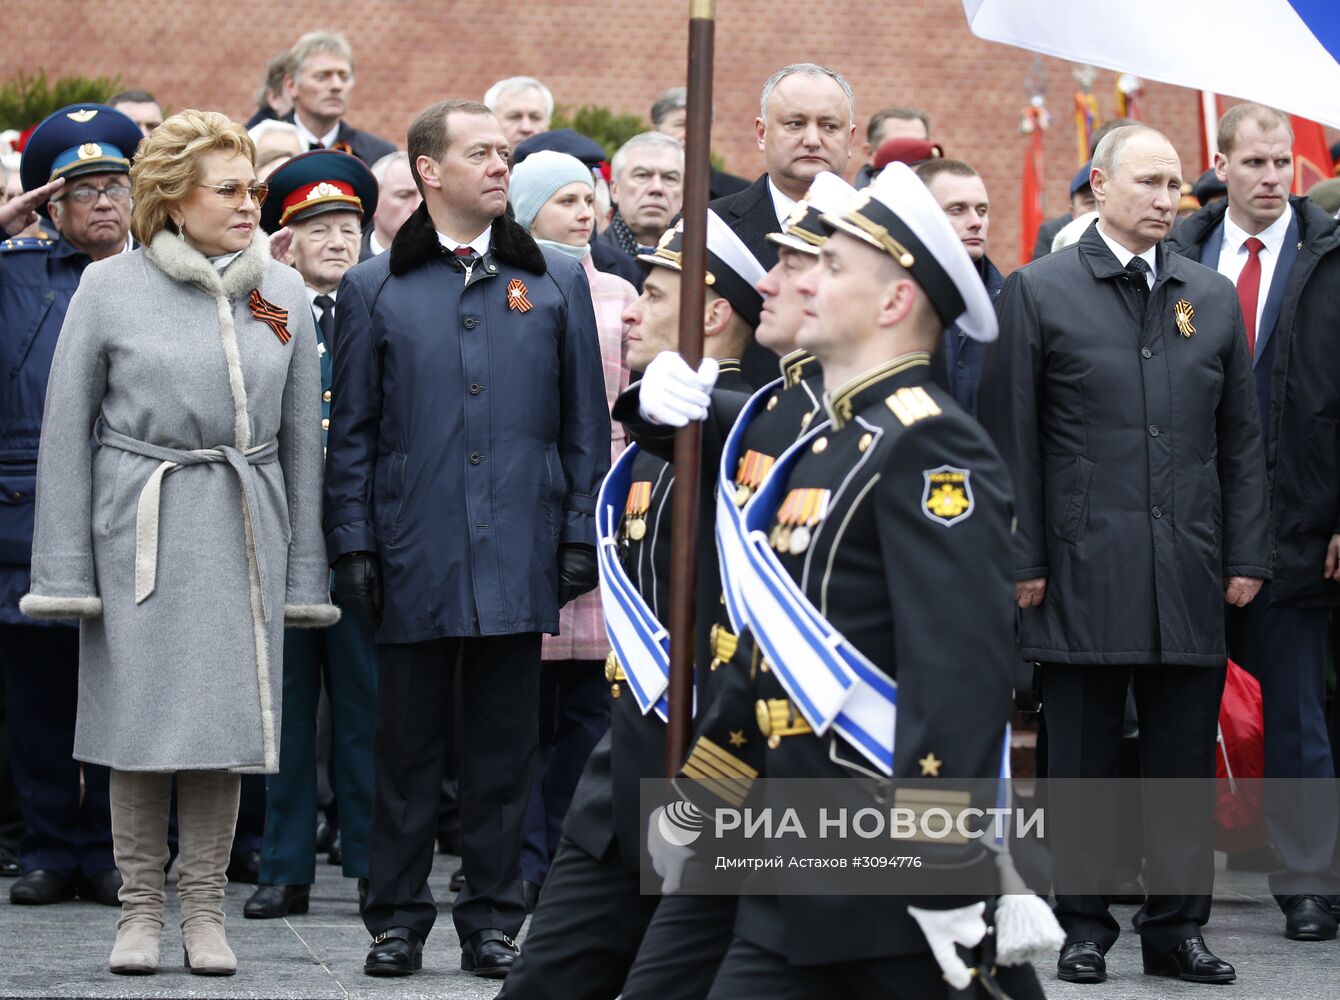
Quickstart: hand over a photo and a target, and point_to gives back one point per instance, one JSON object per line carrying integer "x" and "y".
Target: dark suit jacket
{"x": 608, "y": 256}
{"x": 366, "y": 146}
{"x": 751, "y": 216}
{"x": 1047, "y": 232}
{"x": 721, "y": 184}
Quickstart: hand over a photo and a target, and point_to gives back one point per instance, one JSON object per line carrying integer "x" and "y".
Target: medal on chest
{"x": 797, "y": 517}
{"x": 749, "y": 475}
{"x": 635, "y": 511}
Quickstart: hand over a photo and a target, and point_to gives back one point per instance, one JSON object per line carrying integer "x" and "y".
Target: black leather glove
{"x": 577, "y": 573}
{"x": 358, "y": 585}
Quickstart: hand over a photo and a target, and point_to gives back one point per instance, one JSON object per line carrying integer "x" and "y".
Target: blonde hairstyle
{"x": 167, "y": 165}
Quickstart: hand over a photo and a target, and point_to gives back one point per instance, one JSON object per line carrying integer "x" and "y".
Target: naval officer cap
{"x": 76, "y": 140}
{"x": 803, "y": 229}
{"x": 732, "y": 271}
{"x": 898, "y": 215}
{"x": 323, "y": 180}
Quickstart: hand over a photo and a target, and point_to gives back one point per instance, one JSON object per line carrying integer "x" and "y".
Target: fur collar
{"x": 417, "y": 243}
{"x": 182, "y": 262}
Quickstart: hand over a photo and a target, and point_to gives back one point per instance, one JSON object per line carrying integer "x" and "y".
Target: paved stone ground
{"x": 61, "y": 951}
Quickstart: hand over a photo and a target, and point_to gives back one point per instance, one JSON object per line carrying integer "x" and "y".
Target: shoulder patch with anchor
{"x": 947, "y": 495}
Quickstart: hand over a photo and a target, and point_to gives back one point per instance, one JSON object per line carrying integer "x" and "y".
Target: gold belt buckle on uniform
{"x": 614, "y": 673}
{"x": 724, "y": 643}
{"x": 777, "y": 717}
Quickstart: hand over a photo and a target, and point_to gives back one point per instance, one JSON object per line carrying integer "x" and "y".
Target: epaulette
{"x": 912, "y": 403}
{"x": 26, "y": 243}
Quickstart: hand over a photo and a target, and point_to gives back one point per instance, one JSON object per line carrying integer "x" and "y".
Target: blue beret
{"x": 562, "y": 140}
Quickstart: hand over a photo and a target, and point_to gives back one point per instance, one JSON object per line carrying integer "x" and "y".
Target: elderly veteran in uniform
{"x": 591, "y": 916}
{"x": 323, "y": 197}
{"x": 893, "y": 516}
{"x": 77, "y": 157}
{"x": 191, "y": 535}
{"x": 469, "y": 435}
{"x": 1135, "y": 443}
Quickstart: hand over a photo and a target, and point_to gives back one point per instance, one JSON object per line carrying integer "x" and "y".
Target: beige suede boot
{"x": 206, "y": 816}
{"x": 140, "y": 802}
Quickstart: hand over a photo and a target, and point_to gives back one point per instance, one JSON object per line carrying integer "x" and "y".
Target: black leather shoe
{"x": 396, "y": 951}
{"x": 488, "y": 954}
{"x": 9, "y": 863}
{"x": 245, "y": 867}
{"x": 40, "y": 887}
{"x": 1309, "y": 918}
{"x": 1190, "y": 961}
{"x": 457, "y": 882}
{"x": 103, "y": 888}
{"x": 531, "y": 893}
{"x": 335, "y": 856}
{"x": 271, "y": 901}
{"x": 1081, "y": 962}
{"x": 325, "y": 836}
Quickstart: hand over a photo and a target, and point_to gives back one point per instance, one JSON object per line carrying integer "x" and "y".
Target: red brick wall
{"x": 620, "y": 53}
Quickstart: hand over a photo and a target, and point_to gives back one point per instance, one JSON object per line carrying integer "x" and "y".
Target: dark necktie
{"x": 1249, "y": 289}
{"x": 467, "y": 256}
{"x": 1137, "y": 274}
{"x": 326, "y": 318}
{"x": 316, "y": 145}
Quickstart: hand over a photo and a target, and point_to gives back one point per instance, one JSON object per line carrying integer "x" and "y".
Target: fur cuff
{"x": 60, "y": 608}
{"x": 310, "y": 615}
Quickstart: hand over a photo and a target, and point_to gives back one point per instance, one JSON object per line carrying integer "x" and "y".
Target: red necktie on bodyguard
{"x": 1249, "y": 289}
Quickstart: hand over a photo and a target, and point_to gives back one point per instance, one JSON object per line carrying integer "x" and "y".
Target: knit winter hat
{"x": 538, "y": 177}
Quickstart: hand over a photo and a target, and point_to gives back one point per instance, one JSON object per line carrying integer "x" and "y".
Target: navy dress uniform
{"x": 342, "y": 657}
{"x": 894, "y": 517}
{"x": 591, "y": 916}
{"x": 66, "y": 836}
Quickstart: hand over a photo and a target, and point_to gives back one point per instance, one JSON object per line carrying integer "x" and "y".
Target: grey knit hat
{"x": 535, "y": 180}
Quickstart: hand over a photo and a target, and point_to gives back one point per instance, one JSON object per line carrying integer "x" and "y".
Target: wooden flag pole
{"x": 688, "y": 440}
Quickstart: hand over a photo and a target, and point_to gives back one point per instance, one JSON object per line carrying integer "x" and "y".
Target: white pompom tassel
{"x": 1026, "y": 928}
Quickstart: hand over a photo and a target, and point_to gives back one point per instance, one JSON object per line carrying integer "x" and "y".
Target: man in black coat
{"x": 319, "y": 79}
{"x": 647, "y": 187}
{"x": 467, "y": 443}
{"x": 806, "y": 124}
{"x": 1284, "y": 256}
{"x": 1135, "y": 447}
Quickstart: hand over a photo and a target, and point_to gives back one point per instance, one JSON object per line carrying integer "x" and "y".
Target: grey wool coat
{"x": 179, "y": 505}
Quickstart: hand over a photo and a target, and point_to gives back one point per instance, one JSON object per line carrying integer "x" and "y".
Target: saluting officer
{"x": 893, "y": 517}
{"x": 323, "y": 197}
{"x": 591, "y": 916}
{"x": 80, "y": 158}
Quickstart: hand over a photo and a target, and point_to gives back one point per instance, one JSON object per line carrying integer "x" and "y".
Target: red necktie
{"x": 1249, "y": 289}
{"x": 464, "y": 251}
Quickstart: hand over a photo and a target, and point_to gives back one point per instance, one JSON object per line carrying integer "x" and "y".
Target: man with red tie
{"x": 1283, "y": 254}
{"x": 1139, "y": 483}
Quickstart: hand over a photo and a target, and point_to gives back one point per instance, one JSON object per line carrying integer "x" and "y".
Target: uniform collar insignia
{"x": 842, "y": 403}
{"x": 794, "y": 367}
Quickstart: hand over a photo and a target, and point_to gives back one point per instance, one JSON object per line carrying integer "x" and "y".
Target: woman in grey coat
{"x": 189, "y": 535}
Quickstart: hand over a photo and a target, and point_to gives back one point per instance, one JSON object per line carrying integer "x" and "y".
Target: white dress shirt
{"x": 480, "y": 244}
{"x": 782, "y": 203}
{"x": 1233, "y": 255}
{"x": 1125, "y": 256}
{"x": 309, "y": 140}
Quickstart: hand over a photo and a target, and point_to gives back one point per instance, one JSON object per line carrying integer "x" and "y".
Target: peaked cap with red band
{"x": 323, "y": 180}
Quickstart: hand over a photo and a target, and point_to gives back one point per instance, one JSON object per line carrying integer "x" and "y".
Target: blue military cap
{"x": 1209, "y": 187}
{"x": 1081, "y": 179}
{"x": 562, "y": 140}
{"x": 79, "y": 139}
{"x": 323, "y": 180}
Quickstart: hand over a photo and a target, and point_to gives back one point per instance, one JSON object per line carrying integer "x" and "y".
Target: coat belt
{"x": 147, "y": 512}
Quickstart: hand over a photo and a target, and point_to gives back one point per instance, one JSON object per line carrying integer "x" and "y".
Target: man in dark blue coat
{"x": 67, "y": 842}
{"x": 469, "y": 435}
{"x": 1283, "y": 254}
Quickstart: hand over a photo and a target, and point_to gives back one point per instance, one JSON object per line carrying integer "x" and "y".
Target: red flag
{"x": 1030, "y": 198}
{"x": 1311, "y": 155}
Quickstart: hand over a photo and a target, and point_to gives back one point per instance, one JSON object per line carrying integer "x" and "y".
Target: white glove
{"x": 945, "y": 930}
{"x": 672, "y": 393}
{"x": 668, "y": 858}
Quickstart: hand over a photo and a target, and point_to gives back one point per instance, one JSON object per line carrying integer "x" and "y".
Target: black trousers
{"x": 499, "y": 688}
{"x": 682, "y": 948}
{"x": 64, "y": 831}
{"x": 585, "y": 932}
{"x": 749, "y": 972}
{"x": 1178, "y": 708}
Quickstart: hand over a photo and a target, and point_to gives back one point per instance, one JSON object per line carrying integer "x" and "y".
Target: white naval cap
{"x": 803, "y": 229}
{"x": 732, "y": 270}
{"x": 897, "y": 214}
